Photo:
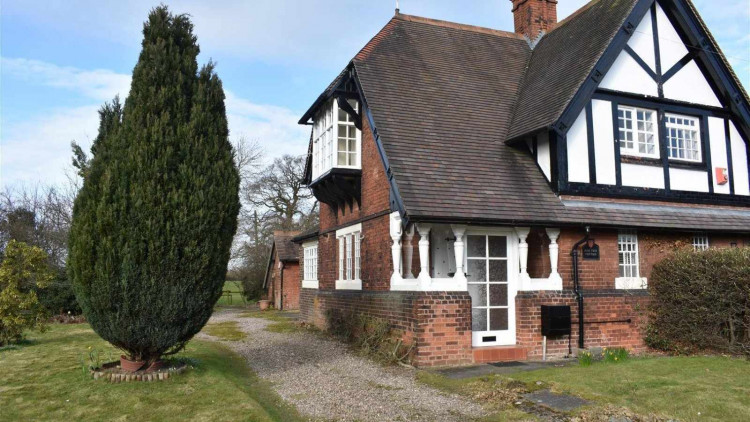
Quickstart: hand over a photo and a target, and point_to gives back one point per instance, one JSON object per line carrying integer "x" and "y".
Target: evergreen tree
{"x": 154, "y": 220}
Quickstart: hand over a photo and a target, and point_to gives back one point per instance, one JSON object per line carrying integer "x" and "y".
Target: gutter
{"x": 577, "y": 287}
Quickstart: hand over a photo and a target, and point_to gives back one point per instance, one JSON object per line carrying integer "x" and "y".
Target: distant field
{"x": 232, "y": 294}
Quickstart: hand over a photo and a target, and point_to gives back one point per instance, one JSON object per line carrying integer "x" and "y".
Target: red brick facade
{"x": 438, "y": 324}
{"x": 287, "y": 296}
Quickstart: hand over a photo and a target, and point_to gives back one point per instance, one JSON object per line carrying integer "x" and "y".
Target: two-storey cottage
{"x": 459, "y": 168}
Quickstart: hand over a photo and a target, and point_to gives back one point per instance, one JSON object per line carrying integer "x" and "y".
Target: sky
{"x": 60, "y": 60}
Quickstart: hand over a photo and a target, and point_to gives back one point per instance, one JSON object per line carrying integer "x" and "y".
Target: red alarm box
{"x": 721, "y": 176}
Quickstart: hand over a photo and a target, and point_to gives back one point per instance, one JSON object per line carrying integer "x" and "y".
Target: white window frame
{"x": 701, "y": 242}
{"x": 326, "y": 139}
{"x": 310, "y": 261}
{"x": 627, "y": 243}
{"x": 349, "y": 258}
{"x": 681, "y": 142}
{"x": 636, "y": 132}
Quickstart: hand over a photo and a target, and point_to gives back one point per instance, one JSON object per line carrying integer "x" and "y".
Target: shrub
{"x": 371, "y": 336}
{"x": 701, "y": 301}
{"x": 154, "y": 220}
{"x": 23, "y": 270}
{"x": 59, "y": 297}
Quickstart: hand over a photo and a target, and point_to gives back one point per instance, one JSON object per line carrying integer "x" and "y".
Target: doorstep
{"x": 499, "y": 354}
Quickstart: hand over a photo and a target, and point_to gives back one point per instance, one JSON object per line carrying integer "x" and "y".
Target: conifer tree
{"x": 154, "y": 220}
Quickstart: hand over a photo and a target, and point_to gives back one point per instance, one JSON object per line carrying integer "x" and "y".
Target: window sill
{"x": 348, "y": 284}
{"x": 310, "y": 284}
{"x": 631, "y": 283}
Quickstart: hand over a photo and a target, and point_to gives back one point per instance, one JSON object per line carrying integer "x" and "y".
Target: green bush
{"x": 23, "y": 270}
{"x": 59, "y": 297}
{"x": 585, "y": 358}
{"x": 700, "y": 301}
{"x": 154, "y": 220}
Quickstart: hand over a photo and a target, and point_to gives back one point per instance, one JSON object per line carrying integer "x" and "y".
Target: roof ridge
{"x": 455, "y": 25}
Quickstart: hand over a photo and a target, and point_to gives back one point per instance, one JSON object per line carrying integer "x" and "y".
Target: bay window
{"x": 336, "y": 140}
{"x": 638, "y": 132}
{"x": 683, "y": 138}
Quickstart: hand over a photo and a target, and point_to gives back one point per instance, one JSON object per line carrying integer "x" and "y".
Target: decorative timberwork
{"x": 339, "y": 188}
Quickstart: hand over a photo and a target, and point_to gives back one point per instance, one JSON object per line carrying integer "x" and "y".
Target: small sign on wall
{"x": 591, "y": 251}
{"x": 721, "y": 176}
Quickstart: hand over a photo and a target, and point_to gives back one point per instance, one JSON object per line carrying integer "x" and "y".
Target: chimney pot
{"x": 532, "y": 17}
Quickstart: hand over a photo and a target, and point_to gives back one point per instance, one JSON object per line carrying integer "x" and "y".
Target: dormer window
{"x": 336, "y": 140}
{"x": 638, "y": 136}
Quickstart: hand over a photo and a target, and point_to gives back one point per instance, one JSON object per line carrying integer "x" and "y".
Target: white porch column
{"x": 554, "y": 251}
{"x": 523, "y": 254}
{"x": 458, "y": 248}
{"x": 396, "y": 231}
{"x": 424, "y": 255}
{"x": 409, "y": 253}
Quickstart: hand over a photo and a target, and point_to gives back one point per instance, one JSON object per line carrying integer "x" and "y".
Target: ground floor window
{"x": 700, "y": 242}
{"x": 627, "y": 245}
{"x": 310, "y": 261}
{"x": 349, "y": 258}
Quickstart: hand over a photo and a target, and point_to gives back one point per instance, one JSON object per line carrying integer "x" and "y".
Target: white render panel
{"x": 690, "y": 85}
{"x": 718, "y": 150}
{"x": 688, "y": 180}
{"x": 543, "y": 154}
{"x": 642, "y": 41}
{"x": 641, "y": 176}
{"x": 578, "y": 151}
{"x": 626, "y": 75}
{"x": 739, "y": 162}
{"x": 604, "y": 142}
{"x": 670, "y": 45}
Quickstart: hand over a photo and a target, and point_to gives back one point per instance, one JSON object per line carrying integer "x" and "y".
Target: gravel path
{"x": 327, "y": 382}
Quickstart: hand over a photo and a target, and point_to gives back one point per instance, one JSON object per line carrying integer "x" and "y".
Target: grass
{"x": 280, "y": 323}
{"x": 43, "y": 380}
{"x": 685, "y": 388}
{"x": 233, "y": 297}
{"x": 227, "y": 330}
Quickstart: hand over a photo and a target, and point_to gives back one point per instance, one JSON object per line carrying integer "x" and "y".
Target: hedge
{"x": 701, "y": 302}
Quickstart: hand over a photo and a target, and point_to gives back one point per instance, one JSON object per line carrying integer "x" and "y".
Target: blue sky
{"x": 61, "y": 59}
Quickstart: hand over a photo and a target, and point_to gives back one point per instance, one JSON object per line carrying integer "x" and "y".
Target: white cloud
{"x": 37, "y": 149}
{"x": 98, "y": 84}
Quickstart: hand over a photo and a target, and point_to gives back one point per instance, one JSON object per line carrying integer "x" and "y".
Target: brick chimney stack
{"x": 531, "y": 17}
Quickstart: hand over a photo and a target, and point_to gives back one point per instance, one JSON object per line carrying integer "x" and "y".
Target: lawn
{"x": 686, "y": 388}
{"x": 232, "y": 294}
{"x": 44, "y": 380}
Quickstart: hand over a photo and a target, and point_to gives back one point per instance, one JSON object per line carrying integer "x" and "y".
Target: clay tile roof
{"x": 563, "y": 60}
{"x": 285, "y": 248}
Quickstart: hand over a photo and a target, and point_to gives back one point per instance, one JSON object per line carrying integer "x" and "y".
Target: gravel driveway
{"x": 327, "y": 382}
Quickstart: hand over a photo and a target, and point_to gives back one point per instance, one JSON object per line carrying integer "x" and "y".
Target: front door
{"x": 492, "y": 288}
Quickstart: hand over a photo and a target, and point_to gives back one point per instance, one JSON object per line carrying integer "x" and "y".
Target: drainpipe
{"x": 577, "y": 286}
{"x": 281, "y": 287}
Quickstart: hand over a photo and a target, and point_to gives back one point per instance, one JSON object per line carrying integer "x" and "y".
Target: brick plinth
{"x": 437, "y": 323}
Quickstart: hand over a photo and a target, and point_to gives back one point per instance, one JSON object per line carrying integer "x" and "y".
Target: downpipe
{"x": 577, "y": 287}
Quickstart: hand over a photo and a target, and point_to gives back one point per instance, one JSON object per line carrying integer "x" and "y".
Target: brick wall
{"x": 438, "y": 324}
{"x": 605, "y": 312}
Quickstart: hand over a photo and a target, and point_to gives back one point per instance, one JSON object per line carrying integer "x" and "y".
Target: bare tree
{"x": 279, "y": 194}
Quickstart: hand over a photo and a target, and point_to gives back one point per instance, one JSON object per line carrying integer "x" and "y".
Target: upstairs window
{"x": 627, "y": 246}
{"x": 700, "y": 242}
{"x": 683, "y": 138}
{"x": 336, "y": 141}
{"x": 638, "y": 134}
